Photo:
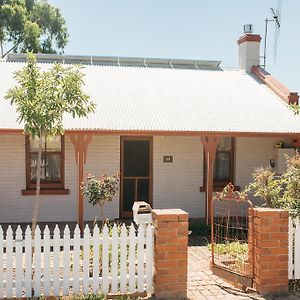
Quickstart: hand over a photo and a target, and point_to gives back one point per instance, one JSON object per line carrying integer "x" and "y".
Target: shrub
{"x": 279, "y": 191}
{"x": 99, "y": 191}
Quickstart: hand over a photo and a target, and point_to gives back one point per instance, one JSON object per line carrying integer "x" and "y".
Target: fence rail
{"x": 294, "y": 249}
{"x": 113, "y": 260}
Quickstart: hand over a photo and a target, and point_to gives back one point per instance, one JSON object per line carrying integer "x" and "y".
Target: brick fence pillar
{"x": 170, "y": 253}
{"x": 270, "y": 250}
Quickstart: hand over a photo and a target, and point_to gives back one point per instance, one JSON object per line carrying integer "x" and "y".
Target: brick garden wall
{"x": 170, "y": 253}
{"x": 270, "y": 238}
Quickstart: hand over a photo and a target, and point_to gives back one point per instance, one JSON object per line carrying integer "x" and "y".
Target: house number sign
{"x": 168, "y": 159}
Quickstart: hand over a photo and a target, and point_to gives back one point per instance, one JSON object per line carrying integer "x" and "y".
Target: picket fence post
{"x": 76, "y": 260}
{"x": 19, "y": 257}
{"x": 28, "y": 262}
{"x": 56, "y": 260}
{"x": 9, "y": 262}
{"x": 132, "y": 245}
{"x": 46, "y": 261}
{"x": 96, "y": 246}
{"x": 123, "y": 254}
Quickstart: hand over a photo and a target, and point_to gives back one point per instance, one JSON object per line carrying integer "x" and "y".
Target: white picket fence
{"x": 122, "y": 262}
{"x": 294, "y": 249}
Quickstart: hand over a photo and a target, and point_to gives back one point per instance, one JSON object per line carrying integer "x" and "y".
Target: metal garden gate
{"x": 231, "y": 238}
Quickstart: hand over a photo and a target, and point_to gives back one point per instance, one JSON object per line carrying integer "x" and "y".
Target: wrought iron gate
{"x": 232, "y": 236}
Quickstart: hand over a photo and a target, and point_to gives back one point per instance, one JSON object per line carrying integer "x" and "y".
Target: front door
{"x": 136, "y": 173}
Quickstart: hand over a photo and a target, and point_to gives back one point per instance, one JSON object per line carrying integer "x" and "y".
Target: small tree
{"x": 100, "y": 191}
{"x": 279, "y": 191}
{"x": 41, "y": 99}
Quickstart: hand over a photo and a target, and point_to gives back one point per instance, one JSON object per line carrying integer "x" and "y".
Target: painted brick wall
{"x": 251, "y": 153}
{"x": 17, "y": 208}
{"x": 176, "y": 185}
{"x": 103, "y": 157}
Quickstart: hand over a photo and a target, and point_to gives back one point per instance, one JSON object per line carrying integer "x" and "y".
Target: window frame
{"x": 44, "y": 185}
{"x": 219, "y": 185}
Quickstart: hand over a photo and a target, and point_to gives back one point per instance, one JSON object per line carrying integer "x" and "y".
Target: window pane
{"x": 53, "y": 168}
{"x": 53, "y": 143}
{"x": 34, "y": 145}
{"x": 143, "y": 190}
{"x": 222, "y": 166}
{"x": 136, "y": 158}
{"x": 225, "y": 144}
{"x": 50, "y": 171}
{"x": 34, "y": 166}
{"x": 129, "y": 194}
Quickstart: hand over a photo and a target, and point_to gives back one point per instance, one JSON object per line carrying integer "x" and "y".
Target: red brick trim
{"x": 277, "y": 87}
{"x": 249, "y": 38}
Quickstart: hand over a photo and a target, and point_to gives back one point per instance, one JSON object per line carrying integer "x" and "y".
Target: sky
{"x": 191, "y": 29}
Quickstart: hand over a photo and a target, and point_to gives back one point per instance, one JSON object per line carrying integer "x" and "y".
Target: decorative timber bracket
{"x": 80, "y": 142}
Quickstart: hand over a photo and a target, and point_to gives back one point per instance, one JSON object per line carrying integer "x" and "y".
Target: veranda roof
{"x": 179, "y": 96}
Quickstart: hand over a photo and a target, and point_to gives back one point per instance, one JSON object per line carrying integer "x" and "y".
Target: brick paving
{"x": 202, "y": 284}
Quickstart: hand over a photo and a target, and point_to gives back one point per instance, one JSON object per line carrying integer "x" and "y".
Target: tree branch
{"x": 12, "y": 48}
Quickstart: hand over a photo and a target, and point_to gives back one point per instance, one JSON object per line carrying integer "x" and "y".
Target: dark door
{"x": 136, "y": 173}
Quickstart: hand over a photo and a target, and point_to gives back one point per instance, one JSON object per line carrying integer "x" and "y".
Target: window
{"x": 52, "y": 166}
{"x": 223, "y": 172}
{"x": 224, "y": 164}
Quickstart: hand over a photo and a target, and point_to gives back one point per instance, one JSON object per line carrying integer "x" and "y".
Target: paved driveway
{"x": 202, "y": 284}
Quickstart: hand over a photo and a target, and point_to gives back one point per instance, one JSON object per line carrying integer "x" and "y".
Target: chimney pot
{"x": 248, "y": 28}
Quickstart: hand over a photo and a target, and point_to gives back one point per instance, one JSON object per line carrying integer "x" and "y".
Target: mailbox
{"x": 142, "y": 213}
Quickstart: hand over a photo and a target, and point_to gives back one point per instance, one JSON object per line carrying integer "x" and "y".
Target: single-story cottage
{"x": 175, "y": 130}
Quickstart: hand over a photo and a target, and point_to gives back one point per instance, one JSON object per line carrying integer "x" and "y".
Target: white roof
{"x": 136, "y": 97}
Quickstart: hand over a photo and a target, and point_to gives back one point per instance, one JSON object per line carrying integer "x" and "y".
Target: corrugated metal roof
{"x": 138, "y": 98}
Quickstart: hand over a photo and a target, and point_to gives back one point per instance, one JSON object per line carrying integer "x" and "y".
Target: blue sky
{"x": 182, "y": 29}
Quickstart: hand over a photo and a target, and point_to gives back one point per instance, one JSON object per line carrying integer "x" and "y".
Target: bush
{"x": 279, "y": 191}
{"x": 99, "y": 191}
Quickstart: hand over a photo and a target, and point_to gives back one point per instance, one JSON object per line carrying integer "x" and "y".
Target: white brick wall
{"x": 252, "y": 153}
{"x": 175, "y": 185}
{"x": 103, "y": 158}
{"x": 17, "y": 208}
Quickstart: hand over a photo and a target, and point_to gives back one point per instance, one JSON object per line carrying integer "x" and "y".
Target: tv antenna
{"x": 276, "y": 18}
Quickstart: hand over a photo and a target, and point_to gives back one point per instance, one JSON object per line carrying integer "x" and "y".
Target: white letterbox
{"x": 142, "y": 213}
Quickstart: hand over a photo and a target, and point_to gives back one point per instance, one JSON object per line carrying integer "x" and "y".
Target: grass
{"x": 232, "y": 255}
{"x": 234, "y": 249}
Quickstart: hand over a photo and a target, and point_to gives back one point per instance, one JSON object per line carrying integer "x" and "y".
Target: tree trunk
{"x": 101, "y": 209}
{"x": 38, "y": 185}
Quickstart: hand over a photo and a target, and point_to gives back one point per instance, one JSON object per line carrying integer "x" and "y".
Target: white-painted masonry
{"x": 175, "y": 185}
